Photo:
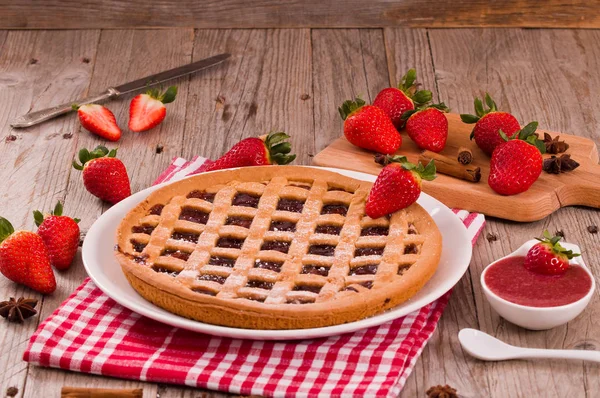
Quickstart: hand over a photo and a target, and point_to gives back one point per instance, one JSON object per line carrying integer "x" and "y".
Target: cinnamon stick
{"x": 451, "y": 167}
{"x": 82, "y": 392}
{"x": 465, "y": 156}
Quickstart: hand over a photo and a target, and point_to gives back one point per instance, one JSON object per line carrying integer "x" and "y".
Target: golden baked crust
{"x": 170, "y": 249}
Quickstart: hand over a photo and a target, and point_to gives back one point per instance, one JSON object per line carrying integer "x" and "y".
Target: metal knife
{"x": 36, "y": 117}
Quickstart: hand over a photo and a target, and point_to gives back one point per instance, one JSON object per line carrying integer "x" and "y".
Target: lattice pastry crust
{"x": 274, "y": 247}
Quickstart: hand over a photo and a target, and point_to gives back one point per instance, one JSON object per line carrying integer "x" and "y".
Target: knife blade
{"x": 33, "y": 118}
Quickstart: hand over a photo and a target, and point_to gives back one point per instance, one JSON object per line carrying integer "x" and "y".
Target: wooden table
{"x": 294, "y": 80}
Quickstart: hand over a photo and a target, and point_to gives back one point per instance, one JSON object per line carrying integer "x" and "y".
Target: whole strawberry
{"x": 60, "y": 235}
{"x": 24, "y": 259}
{"x": 98, "y": 120}
{"x": 148, "y": 110}
{"x": 487, "y": 124}
{"x": 428, "y": 127}
{"x": 255, "y": 151}
{"x": 104, "y": 176}
{"x": 548, "y": 257}
{"x": 396, "y": 101}
{"x": 517, "y": 163}
{"x": 397, "y": 186}
{"x": 369, "y": 127}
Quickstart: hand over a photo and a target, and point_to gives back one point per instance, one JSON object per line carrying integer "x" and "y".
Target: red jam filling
{"x": 509, "y": 279}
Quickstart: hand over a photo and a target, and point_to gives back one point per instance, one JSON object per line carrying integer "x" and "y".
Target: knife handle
{"x": 33, "y": 118}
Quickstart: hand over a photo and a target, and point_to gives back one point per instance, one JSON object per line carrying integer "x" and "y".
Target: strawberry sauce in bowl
{"x": 509, "y": 279}
{"x": 537, "y": 301}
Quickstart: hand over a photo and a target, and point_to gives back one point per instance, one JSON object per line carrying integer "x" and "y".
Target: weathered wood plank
{"x": 260, "y": 89}
{"x": 532, "y": 74}
{"x": 122, "y": 56}
{"x": 37, "y": 70}
{"x": 55, "y": 14}
{"x": 346, "y": 64}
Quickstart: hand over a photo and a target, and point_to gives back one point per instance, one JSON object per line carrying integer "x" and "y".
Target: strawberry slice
{"x": 99, "y": 120}
{"x": 148, "y": 110}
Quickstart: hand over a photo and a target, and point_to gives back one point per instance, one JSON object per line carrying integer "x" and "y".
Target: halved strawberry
{"x": 548, "y": 257}
{"x": 98, "y": 120}
{"x": 148, "y": 110}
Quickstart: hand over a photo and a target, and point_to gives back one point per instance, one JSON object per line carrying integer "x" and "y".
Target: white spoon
{"x": 487, "y": 348}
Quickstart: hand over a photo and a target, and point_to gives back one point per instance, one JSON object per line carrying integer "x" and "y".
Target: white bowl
{"x": 538, "y": 318}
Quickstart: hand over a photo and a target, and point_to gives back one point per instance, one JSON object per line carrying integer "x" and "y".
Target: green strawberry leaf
{"x": 422, "y": 97}
{"x": 503, "y": 135}
{"x": 76, "y": 220}
{"x": 469, "y": 119}
{"x": 349, "y": 106}
{"x": 528, "y": 130}
{"x": 58, "y": 209}
{"x": 6, "y": 229}
{"x": 408, "y": 114}
{"x": 441, "y": 106}
{"x": 278, "y": 148}
{"x": 38, "y": 217}
{"x": 408, "y": 80}
{"x": 84, "y": 155}
{"x": 490, "y": 103}
{"x": 428, "y": 172}
{"x": 275, "y": 137}
{"x": 479, "y": 107}
{"x": 77, "y": 166}
{"x": 169, "y": 95}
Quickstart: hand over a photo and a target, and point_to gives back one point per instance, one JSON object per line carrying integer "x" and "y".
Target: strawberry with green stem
{"x": 369, "y": 127}
{"x": 517, "y": 162}
{"x": 427, "y": 126}
{"x": 104, "y": 176}
{"x": 487, "y": 124}
{"x": 272, "y": 148}
{"x": 548, "y": 257}
{"x": 60, "y": 235}
{"x": 24, "y": 259}
{"x": 397, "y": 186}
{"x": 396, "y": 101}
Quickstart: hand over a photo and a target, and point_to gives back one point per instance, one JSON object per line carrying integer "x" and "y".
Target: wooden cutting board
{"x": 549, "y": 193}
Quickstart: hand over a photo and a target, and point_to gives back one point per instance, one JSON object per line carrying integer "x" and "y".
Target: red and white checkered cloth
{"x": 91, "y": 333}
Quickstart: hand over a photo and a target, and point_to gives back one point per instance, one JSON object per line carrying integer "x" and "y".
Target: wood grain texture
{"x": 37, "y": 69}
{"x": 529, "y": 73}
{"x": 346, "y": 64}
{"x": 258, "y": 90}
{"x": 55, "y": 14}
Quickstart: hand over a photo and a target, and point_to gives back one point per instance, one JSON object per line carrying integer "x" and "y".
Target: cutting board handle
{"x": 582, "y": 187}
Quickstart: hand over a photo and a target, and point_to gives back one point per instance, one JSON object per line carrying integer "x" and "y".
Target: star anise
{"x": 441, "y": 392}
{"x": 18, "y": 310}
{"x": 553, "y": 145}
{"x": 559, "y": 164}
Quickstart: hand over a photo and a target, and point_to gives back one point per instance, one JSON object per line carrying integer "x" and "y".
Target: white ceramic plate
{"x": 106, "y": 273}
